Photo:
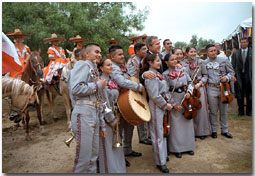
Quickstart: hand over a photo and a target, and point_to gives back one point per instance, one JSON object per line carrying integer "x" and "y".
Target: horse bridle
{"x": 33, "y": 66}
{"x": 25, "y": 106}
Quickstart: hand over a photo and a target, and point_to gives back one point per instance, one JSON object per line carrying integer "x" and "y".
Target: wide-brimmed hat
{"x": 134, "y": 37}
{"x": 17, "y": 33}
{"x": 78, "y": 39}
{"x": 53, "y": 37}
{"x": 144, "y": 36}
{"x": 113, "y": 40}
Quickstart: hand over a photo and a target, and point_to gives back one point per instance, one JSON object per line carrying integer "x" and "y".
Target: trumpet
{"x": 116, "y": 143}
{"x": 68, "y": 141}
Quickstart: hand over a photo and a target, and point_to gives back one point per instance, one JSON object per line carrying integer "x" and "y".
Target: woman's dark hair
{"x": 178, "y": 49}
{"x": 101, "y": 63}
{"x": 189, "y": 48}
{"x": 166, "y": 58}
{"x": 147, "y": 59}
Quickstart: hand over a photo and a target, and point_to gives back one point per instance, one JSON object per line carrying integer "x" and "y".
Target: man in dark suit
{"x": 242, "y": 65}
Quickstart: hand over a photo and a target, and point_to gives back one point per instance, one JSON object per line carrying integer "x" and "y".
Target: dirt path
{"x": 48, "y": 154}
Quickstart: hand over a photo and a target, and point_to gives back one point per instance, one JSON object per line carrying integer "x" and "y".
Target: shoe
{"x": 135, "y": 154}
{"x": 202, "y": 137}
{"x": 214, "y": 135}
{"x": 163, "y": 168}
{"x": 167, "y": 159}
{"x": 146, "y": 142}
{"x": 227, "y": 134}
{"x": 190, "y": 152}
{"x": 240, "y": 114}
{"x": 248, "y": 114}
{"x": 178, "y": 155}
{"x": 127, "y": 163}
{"x": 168, "y": 153}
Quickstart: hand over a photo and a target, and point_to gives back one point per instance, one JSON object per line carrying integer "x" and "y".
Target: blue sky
{"x": 179, "y": 20}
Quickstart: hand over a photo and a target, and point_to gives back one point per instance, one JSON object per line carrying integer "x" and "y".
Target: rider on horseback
{"x": 57, "y": 59}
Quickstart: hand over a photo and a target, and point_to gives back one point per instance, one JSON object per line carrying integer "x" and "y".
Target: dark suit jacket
{"x": 237, "y": 63}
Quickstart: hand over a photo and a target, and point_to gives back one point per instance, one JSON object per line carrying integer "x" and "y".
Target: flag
{"x": 10, "y": 58}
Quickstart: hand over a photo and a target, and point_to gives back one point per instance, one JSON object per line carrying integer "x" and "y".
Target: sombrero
{"x": 78, "y": 39}
{"x": 113, "y": 40}
{"x": 17, "y": 33}
{"x": 53, "y": 37}
{"x": 143, "y": 36}
{"x": 134, "y": 37}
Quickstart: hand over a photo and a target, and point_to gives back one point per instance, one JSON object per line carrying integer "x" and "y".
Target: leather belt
{"x": 179, "y": 89}
{"x": 214, "y": 85}
{"x": 87, "y": 102}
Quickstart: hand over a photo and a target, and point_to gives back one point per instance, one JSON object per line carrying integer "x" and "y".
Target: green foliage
{"x": 193, "y": 41}
{"x": 96, "y": 21}
{"x": 180, "y": 45}
{"x": 203, "y": 42}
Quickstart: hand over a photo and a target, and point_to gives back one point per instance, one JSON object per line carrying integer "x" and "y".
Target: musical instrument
{"x": 226, "y": 95}
{"x": 133, "y": 106}
{"x": 116, "y": 143}
{"x": 191, "y": 104}
{"x": 167, "y": 115}
{"x": 68, "y": 141}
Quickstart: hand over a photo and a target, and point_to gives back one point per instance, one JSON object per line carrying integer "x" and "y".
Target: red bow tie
{"x": 192, "y": 65}
{"x": 174, "y": 73}
{"x": 159, "y": 76}
{"x": 112, "y": 84}
{"x": 123, "y": 69}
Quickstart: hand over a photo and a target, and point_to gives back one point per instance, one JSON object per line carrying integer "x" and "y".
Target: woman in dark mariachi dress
{"x": 182, "y": 138}
{"x": 111, "y": 159}
{"x": 157, "y": 91}
{"x": 202, "y": 124}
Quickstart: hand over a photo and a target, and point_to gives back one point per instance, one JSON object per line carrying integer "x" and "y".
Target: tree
{"x": 180, "y": 45}
{"x": 193, "y": 41}
{"x": 96, "y": 21}
{"x": 203, "y": 42}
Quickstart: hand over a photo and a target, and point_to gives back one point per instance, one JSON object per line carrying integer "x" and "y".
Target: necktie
{"x": 243, "y": 57}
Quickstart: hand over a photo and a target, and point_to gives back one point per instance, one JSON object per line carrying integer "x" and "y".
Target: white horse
{"x": 51, "y": 92}
{"x": 23, "y": 96}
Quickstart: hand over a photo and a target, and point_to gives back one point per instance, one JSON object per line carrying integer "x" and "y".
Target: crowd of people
{"x": 169, "y": 78}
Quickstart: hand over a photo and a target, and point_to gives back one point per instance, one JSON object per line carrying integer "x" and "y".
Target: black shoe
{"x": 178, "y": 155}
{"x": 202, "y": 137}
{"x": 135, "y": 154}
{"x": 163, "y": 168}
{"x": 168, "y": 153}
{"x": 248, "y": 114}
{"x": 167, "y": 159}
{"x": 127, "y": 163}
{"x": 190, "y": 152}
{"x": 146, "y": 142}
{"x": 227, "y": 134}
{"x": 214, "y": 135}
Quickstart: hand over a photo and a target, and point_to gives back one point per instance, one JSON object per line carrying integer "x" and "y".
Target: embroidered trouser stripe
{"x": 78, "y": 141}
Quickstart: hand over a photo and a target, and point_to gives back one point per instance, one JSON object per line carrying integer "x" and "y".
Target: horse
{"x": 33, "y": 75}
{"x": 18, "y": 91}
{"x": 64, "y": 90}
{"x": 51, "y": 92}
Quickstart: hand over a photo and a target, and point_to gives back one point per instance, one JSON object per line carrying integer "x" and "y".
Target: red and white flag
{"x": 10, "y": 58}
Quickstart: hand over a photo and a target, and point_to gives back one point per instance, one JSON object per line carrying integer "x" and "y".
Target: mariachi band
{"x": 181, "y": 97}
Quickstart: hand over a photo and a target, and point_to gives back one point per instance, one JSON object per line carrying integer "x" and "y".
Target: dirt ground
{"x": 49, "y": 154}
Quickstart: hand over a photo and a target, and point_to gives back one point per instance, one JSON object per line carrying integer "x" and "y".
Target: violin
{"x": 226, "y": 95}
{"x": 190, "y": 111}
{"x": 166, "y": 124}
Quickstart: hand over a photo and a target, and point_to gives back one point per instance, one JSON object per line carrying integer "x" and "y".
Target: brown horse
{"x": 22, "y": 95}
{"x": 33, "y": 74}
{"x": 64, "y": 90}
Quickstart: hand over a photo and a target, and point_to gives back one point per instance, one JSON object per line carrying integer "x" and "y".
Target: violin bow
{"x": 175, "y": 86}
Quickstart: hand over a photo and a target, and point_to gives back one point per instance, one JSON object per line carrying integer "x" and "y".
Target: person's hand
{"x": 198, "y": 85}
{"x": 179, "y": 66}
{"x": 149, "y": 75}
{"x": 223, "y": 79}
{"x": 178, "y": 108}
{"x": 102, "y": 133}
{"x": 103, "y": 82}
{"x": 234, "y": 79}
{"x": 187, "y": 95}
{"x": 170, "y": 107}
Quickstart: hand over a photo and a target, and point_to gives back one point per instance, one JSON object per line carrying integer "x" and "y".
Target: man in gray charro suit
{"x": 84, "y": 87}
{"x": 219, "y": 70}
{"x": 140, "y": 52}
{"x": 120, "y": 75}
